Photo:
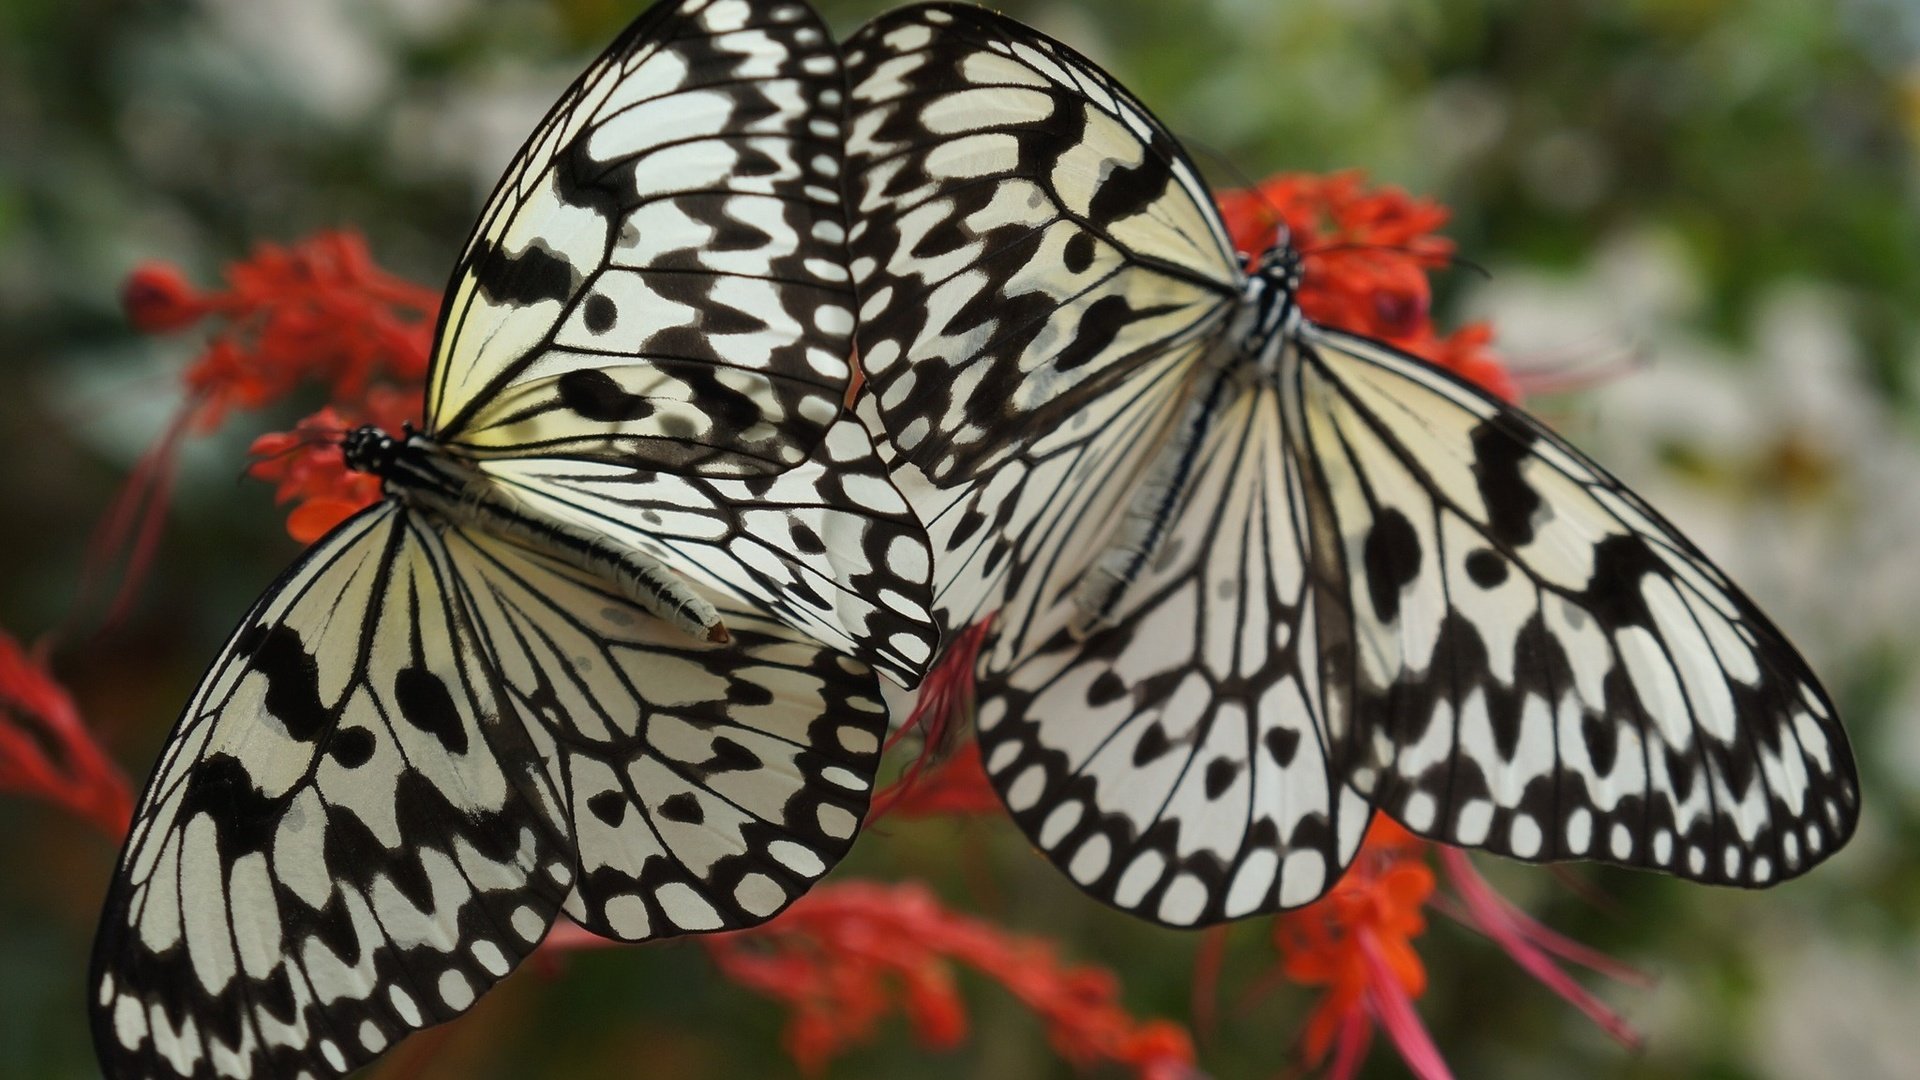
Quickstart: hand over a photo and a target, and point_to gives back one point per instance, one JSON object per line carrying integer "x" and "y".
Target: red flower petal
{"x": 48, "y": 752}
{"x": 157, "y": 299}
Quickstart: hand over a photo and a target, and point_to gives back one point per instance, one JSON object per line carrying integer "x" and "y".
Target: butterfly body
{"x": 1256, "y": 349}
{"x": 417, "y": 471}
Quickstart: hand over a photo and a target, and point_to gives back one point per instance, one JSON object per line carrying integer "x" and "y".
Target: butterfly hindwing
{"x": 423, "y": 743}
{"x": 1025, "y": 234}
{"x": 708, "y": 786}
{"x": 660, "y": 277}
{"x": 1180, "y": 760}
{"x": 830, "y": 547}
{"x": 350, "y": 835}
{"x": 1543, "y": 666}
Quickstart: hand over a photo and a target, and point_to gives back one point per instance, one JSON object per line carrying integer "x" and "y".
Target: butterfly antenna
{"x": 307, "y": 439}
{"x": 1448, "y": 261}
{"x": 1235, "y": 173}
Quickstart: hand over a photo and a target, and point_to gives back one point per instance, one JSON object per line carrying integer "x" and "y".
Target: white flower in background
{"x": 316, "y": 52}
{"x": 1834, "y": 1010}
{"x": 1787, "y": 466}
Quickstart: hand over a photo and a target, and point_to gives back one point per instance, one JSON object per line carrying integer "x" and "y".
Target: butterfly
{"x": 1252, "y": 580}
{"x": 612, "y": 642}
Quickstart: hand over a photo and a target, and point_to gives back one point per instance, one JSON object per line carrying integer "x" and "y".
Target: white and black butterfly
{"x": 1255, "y": 579}
{"x": 609, "y": 643}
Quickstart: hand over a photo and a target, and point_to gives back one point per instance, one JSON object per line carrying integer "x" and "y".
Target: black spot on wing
{"x": 1100, "y": 326}
{"x": 1078, "y": 256}
{"x": 1601, "y": 730}
{"x": 1486, "y": 568}
{"x": 729, "y": 756}
{"x": 1153, "y": 743}
{"x": 609, "y": 807}
{"x": 293, "y": 683}
{"x": 683, "y": 808}
{"x": 1680, "y": 768}
{"x": 1219, "y": 777}
{"x": 530, "y": 277}
{"x": 1282, "y": 744}
{"x": 352, "y": 747}
{"x": 599, "y": 313}
{"x": 1499, "y": 452}
{"x": 806, "y": 540}
{"x": 1392, "y": 556}
{"x": 1106, "y": 689}
{"x": 596, "y": 396}
{"x": 1129, "y": 192}
{"x": 425, "y": 703}
{"x": 1614, "y": 595}
{"x": 274, "y": 993}
{"x": 221, "y": 788}
{"x": 730, "y": 409}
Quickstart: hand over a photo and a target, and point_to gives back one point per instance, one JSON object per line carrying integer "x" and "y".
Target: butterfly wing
{"x": 350, "y": 835}
{"x": 357, "y": 827}
{"x": 1042, "y": 277}
{"x": 1025, "y": 237}
{"x": 660, "y": 276}
{"x": 1180, "y": 761}
{"x": 830, "y": 546}
{"x": 708, "y": 786}
{"x": 1542, "y": 665}
{"x": 651, "y": 326}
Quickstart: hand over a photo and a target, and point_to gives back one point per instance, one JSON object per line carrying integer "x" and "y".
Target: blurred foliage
{"x": 1774, "y": 140}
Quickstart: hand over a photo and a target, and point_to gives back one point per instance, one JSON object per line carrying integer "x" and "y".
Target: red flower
{"x": 1357, "y": 942}
{"x": 158, "y": 299}
{"x": 943, "y": 715}
{"x": 844, "y": 956}
{"x": 318, "y": 311}
{"x": 46, "y": 750}
{"x": 306, "y": 466}
{"x": 1366, "y": 253}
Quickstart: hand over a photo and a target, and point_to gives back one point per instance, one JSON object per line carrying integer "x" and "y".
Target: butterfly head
{"x": 1281, "y": 264}
{"x": 1271, "y": 305}
{"x": 370, "y": 449}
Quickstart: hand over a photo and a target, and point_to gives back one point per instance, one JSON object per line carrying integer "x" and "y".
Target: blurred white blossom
{"x": 1830, "y": 1009}
{"x": 1786, "y": 465}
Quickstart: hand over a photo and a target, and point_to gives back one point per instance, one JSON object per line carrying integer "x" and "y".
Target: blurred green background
{"x": 1704, "y": 209}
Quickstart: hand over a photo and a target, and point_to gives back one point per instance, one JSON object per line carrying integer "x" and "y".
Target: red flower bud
{"x": 158, "y": 300}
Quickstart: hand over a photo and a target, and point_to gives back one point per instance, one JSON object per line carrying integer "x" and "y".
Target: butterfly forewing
{"x": 660, "y": 277}
{"x": 1025, "y": 234}
{"x": 1544, "y": 667}
{"x": 649, "y": 333}
{"x": 350, "y": 835}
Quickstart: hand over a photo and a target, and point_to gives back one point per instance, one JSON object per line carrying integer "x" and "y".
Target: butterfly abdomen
{"x": 422, "y": 474}
{"x": 1155, "y": 506}
{"x": 1257, "y": 344}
